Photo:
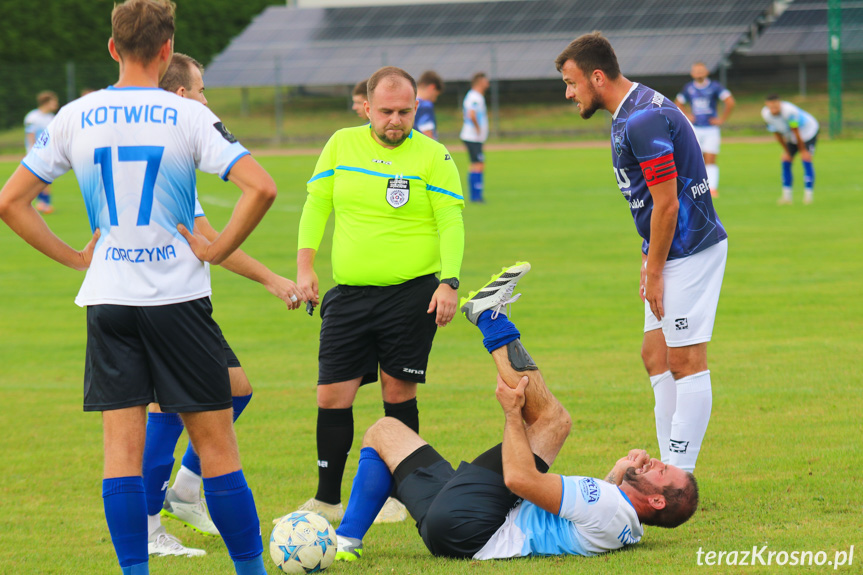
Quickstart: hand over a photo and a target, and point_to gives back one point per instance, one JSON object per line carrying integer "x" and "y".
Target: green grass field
{"x": 781, "y": 461}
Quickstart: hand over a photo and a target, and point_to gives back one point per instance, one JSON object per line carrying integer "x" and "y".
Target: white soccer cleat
{"x": 807, "y": 198}
{"x": 495, "y": 294}
{"x": 331, "y": 512}
{"x": 192, "y": 515}
{"x": 161, "y": 544}
{"x": 784, "y": 201}
{"x": 393, "y": 511}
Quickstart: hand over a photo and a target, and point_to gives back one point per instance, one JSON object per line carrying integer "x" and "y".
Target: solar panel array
{"x": 802, "y": 29}
{"x": 514, "y": 40}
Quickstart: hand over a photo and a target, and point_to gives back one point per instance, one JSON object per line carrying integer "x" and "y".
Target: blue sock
{"x": 808, "y": 175}
{"x": 251, "y": 567}
{"x": 126, "y": 513}
{"x": 787, "y": 179}
{"x": 163, "y": 431}
{"x": 471, "y": 186}
{"x": 191, "y": 461}
{"x": 480, "y": 185}
{"x": 496, "y": 332}
{"x": 232, "y": 508}
{"x": 139, "y": 569}
{"x": 372, "y": 485}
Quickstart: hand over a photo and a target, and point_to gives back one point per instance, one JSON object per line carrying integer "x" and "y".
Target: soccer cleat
{"x": 349, "y": 549}
{"x": 807, "y": 197}
{"x": 393, "y": 511}
{"x": 192, "y": 515}
{"x": 161, "y": 544}
{"x": 495, "y": 294}
{"x": 784, "y": 201}
{"x": 331, "y": 512}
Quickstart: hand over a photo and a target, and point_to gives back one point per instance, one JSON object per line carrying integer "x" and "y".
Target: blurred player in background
{"x": 183, "y": 501}
{"x": 795, "y": 131}
{"x": 398, "y": 211}
{"x": 358, "y": 97}
{"x": 150, "y": 333}
{"x": 35, "y": 123}
{"x": 703, "y": 96}
{"x": 429, "y": 87}
{"x": 505, "y": 503}
{"x": 474, "y": 133}
{"x": 660, "y": 172}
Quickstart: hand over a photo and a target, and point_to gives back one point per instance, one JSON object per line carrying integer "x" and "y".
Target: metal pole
{"x": 244, "y": 101}
{"x": 495, "y": 94}
{"x": 278, "y": 101}
{"x": 802, "y": 77}
{"x": 70, "y": 81}
{"x": 834, "y": 65}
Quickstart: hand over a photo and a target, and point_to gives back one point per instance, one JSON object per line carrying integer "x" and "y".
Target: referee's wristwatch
{"x": 451, "y": 282}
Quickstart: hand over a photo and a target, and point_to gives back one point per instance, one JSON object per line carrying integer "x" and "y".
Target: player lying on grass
{"x": 504, "y": 503}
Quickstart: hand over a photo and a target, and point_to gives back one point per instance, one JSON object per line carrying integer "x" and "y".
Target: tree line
{"x": 46, "y": 42}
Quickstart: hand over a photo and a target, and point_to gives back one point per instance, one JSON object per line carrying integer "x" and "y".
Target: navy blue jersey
{"x": 704, "y": 100}
{"x": 653, "y": 142}
{"x": 425, "y": 119}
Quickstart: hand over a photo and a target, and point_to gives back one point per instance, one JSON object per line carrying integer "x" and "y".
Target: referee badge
{"x": 398, "y": 192}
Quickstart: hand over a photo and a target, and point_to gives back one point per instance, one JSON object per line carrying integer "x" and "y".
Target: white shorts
{"x": 709, "y": 138}
{"x": 692, "y": 286}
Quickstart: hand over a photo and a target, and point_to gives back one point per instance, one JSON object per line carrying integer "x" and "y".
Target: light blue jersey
{"x": 475, "y": 102}
{"x": 595, "y": 517}
{"x": 135, "y": 152}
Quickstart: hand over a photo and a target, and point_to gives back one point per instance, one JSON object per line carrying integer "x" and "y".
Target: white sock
{"x": 665, "y": 393}
{"x": 786, "y": 192}
{"x": 153, "y": 523}
{"x": 187, "y": 485}
{"x": 713, "y": 176}
{"x": 694, "y": 400}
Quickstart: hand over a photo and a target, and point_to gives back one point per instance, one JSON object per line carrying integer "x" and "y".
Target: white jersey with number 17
{"x": 134, "y": 152}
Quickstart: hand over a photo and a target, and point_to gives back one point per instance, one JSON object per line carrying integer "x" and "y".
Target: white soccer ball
{"x": 303, "y": 542}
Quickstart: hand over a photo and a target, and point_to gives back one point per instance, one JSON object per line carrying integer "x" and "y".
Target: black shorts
{"x": 363, "y": 326}
{"x": 808, "y": 144}
{"x": 474, "y": 150}
{"x": 456, "y": 511}
{"x": 230, "y": 356}
{"x": 171, "y": 354}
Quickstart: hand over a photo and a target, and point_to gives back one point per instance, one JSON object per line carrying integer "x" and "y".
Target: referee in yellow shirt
{"x": 398, "y": 206}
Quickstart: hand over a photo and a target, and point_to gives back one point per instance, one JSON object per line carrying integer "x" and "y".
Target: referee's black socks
{"x": 335, "y": 434}
{"x": 406, "y": 412}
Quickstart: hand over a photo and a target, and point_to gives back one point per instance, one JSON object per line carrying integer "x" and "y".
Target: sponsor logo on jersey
{"x": 635, "y": 204}
{"x": 681, "y": 323}
{"x": 446, "y": 157}
{"x": 625, "y": 536}
{"x": 699, "y": 189}
{"x": 658, "y": 99}
{"x": 42, "y": 141}
{"x": 677, "y": 445}
{"x": 589, "y": 490}
{"x": 618, "y": 139}
{"x": 622, "y": 181}
{"x": 382, "y": 162}
{"x": 220, "y": 127}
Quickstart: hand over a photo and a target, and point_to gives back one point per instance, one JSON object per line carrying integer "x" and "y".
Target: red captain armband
{"x": 659, "y": 170}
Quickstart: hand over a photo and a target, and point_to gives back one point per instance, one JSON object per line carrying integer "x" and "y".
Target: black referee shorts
{"x": 171, "y": 354}
{"x": 363, "y": 326}
{"x": 456, "y": 511}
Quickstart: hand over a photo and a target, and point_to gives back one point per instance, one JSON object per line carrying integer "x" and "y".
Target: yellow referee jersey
{"x": 397, "y": 212}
